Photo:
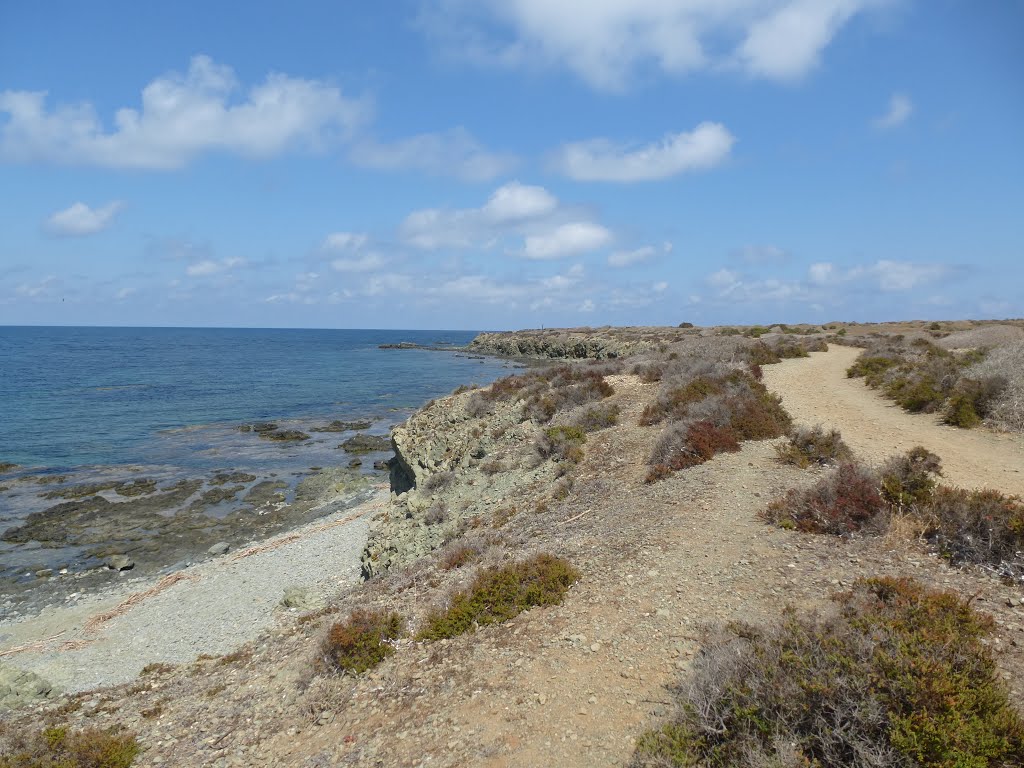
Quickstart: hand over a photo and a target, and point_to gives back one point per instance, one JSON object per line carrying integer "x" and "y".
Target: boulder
{"x": 19, "y": 687}
{"x": 220, "y": 548}
{"x": 366, "y": 444}
{"x": 119, "y": 563}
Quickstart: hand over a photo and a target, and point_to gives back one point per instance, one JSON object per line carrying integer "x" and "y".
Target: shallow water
{"x": 87, "y": 405}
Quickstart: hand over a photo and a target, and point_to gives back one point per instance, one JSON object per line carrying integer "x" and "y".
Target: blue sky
{"x": 510, "y": 163}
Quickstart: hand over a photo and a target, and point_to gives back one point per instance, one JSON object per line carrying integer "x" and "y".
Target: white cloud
{"x": 567, "y": 240}
{"x": 629, "y": 258}
{"x": 660, "y": 287}
{"x": 365, "y": 263}
{"x": 786, "y": 42}
{"x": 452, "y": 153}
{"x": 80, "y": 219}
{"x": 606, "y": 41}
{"x": 180, "y": 117}
{"x": 821, "y": 273}
{"x": 706, "y": 146}
{"x": 900, "y": 109}
{"x": 904, "y": 276}
{"x": 637, "y": 255}
{"x": 344, "y": 241}
{"x": 549, "y": 229}
{"x": 210, "y": 267}
{"x": 723, "y": 279}
{"x": 588, "y": 305}
{"x": 517, "y": 202}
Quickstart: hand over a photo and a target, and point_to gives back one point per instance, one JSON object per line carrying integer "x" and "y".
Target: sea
{"x": 84, "y": 404}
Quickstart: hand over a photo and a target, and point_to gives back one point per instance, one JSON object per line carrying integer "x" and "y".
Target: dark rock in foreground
{"x": 366, "y": 444}
{"x": 284, "y": 435}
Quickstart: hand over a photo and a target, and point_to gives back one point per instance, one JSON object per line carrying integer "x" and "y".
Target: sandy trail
{"x": 816, "y": 391}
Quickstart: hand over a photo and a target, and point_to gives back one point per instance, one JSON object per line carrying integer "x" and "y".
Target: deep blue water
{"x": 114, "y": 396}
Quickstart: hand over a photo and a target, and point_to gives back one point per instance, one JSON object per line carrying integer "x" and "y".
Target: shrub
{"x": 562, "y": 443}
{"x": 983, "y": 527}
{"x": 598, "y": 417}
{"x": 761, "y": 354}
{"x": 900, "y": 677}
{"x": 457, "y": 555}
{"x": 844, "y": 502}
{"x": 685, "y": 445}
{"x": 492, "y": 467}
{"x": 437, "y": 514}
{"x": 924, "y": 378}
{"x": 438, "y": 481}
{"x": 1005, "y": 363}
{"x": 499, "y": 594}
{"x": 362, "y": 642}
{"x": 909, "y": 479}
{"x": 58, "y": 747}
{"x": 757, "y": 414}
{"x": 813, "y": 445}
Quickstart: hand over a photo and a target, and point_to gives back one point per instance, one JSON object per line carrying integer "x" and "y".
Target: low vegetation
{"x": 983, "y": 527}
{"x": 809, "y": 446}
{"x": 59, "y": 747}
{"x": 923, "y": 377}
{"x": 562, "y": 444}
{"x": 361, "y": 642}
{"x": 499, "y": 594}
{"x": 598, "y": 417}
{"x": 900, "y": 676}
{"x": 710, "y": 408}
{"x": 546, "y": 392}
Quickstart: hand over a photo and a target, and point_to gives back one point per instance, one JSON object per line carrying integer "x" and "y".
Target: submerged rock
{"x": 284, "y": 435}
{"x": 223, "y": 478}
{"x": 259, "y": 426}
{"x": 6, "y": 466}
{"x": 366, "y": 444}
{"x": 344, "y": 426}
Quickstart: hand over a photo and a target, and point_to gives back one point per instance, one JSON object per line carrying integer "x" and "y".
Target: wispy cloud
{"x": 210, "y": 267}
{"x": 706, "y": 146}
{"x": 180, "y": 117}
{"x": 79, "y": 219}
{"x": 452, "y": 153}
{"x": 900, "y": 110}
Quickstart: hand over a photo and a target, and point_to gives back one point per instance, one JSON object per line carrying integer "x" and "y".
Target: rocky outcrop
{"x": 567, "y": 345}
{"x": 443, "y": 476}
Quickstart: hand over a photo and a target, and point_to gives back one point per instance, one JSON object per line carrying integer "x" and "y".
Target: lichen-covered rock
{"x": 19, "y": 687}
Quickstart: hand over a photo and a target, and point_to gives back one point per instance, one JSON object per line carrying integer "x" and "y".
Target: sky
{"x": 494, "y": 164}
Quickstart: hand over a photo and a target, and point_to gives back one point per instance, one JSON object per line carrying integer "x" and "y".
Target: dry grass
{"x": 1006, "y": 410}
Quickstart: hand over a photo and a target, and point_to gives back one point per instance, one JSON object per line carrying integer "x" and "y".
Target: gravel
{"x": 223, "y": 604}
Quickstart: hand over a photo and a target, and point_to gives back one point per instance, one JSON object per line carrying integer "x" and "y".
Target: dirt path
{"x": 816, "y": 391}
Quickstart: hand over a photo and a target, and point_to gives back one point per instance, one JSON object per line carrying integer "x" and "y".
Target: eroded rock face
{"x": 437, "y": 479}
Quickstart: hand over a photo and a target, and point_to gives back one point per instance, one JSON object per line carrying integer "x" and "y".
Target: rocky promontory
{"x": 576, "y": 343}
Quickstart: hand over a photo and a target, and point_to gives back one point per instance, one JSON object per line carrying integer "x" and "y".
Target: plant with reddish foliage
{"x": 844, "y": 502}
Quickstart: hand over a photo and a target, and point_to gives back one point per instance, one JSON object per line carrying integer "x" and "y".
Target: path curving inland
{"x": 815, "y": 390}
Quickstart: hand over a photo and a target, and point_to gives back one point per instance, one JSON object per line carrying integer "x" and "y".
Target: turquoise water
{"x": 71, "y": 397}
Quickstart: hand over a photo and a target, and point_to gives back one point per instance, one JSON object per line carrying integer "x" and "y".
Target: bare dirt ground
{"x": 817, "y": 391}
{"x": 572, "y": 685}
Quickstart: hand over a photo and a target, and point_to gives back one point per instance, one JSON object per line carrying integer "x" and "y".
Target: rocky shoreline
{"x": 70, "y": 533}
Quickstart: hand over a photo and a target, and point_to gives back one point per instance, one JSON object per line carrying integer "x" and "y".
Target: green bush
{"x": 499, "y": 594}
{"x": 813, "y": 445}
{"x": 59, "y": 747}
{"x": 561, "y": 443}
{"x": 362, "y": 642}
{"x": 900, "y": 677}
{"x": 598, "y": 417}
